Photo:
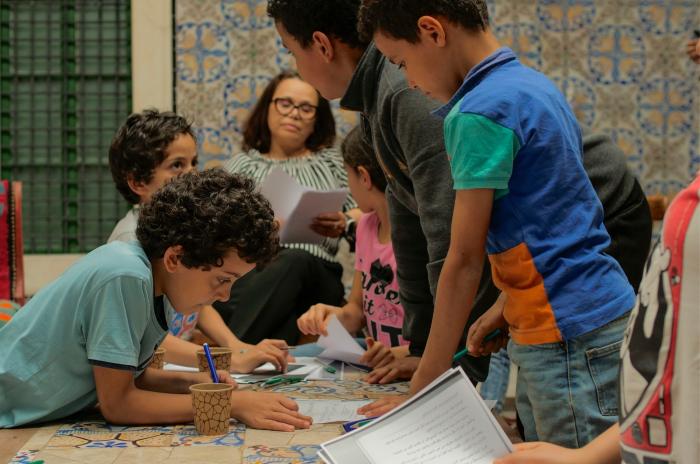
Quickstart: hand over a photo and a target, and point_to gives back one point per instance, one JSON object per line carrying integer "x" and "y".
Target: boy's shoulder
{"x": 113, "y": 260}
{"x": 125, "y": 230}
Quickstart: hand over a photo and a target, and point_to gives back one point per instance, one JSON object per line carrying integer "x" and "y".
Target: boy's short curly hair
{"x": 357, "y": 152}
{"x": 140, "y": 145}
{"x": 335, "y": 18}
{"x": 208, "y": 214}
{"x": 399, "y": 18}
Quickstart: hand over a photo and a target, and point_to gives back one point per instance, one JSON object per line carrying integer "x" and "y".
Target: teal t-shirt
{"x": 102, "y": 312}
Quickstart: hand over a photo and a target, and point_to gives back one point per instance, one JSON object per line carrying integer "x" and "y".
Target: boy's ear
{"x": 432, "y": 30}
{"x": 323, "y": 45}
{"x": 365, "y": 178}
{"x": 136, "y": 186}
{"x": 171, "y": 258}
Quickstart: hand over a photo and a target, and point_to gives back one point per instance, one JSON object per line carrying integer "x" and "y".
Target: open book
{"x": 297, "y": 206}
{"x": 446, "y": 422}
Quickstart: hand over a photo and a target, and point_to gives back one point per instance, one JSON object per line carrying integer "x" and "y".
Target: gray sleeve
{"x": 410, "y": 251}
{"x": 626, "y": 211}
{"x": 420, "y": 137}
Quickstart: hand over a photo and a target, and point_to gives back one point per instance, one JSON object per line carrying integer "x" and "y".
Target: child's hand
{"x": 269, "y": 411}
{"x": 488, "y": 322}
{"x": 273, "y": 346}
{"x": 254, "y": 357}
{"x": 382, "y": 406}
{"x": 693, "y": 50}
{"x": 315, "y": 320}
{"x": 377, "y": 355}
{"x": 205, "y": 377}
{"x": 398, "y": 369}
{"x": 543, "y": 453}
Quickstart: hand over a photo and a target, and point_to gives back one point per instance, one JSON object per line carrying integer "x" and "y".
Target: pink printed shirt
{"x": 380, "y": 287}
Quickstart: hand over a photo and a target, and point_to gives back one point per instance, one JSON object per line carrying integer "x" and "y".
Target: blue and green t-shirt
{"x": 508, "y": 128}
{"x": 100, "y": 312}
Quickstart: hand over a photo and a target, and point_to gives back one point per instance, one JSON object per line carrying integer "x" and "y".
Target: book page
{"x": 447, "y": 422}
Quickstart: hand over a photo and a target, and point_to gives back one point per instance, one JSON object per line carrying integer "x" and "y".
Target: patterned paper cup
{"x": 158, "y": 359}
{"x": 212, "y": 407}
{"x": 220, "y": 355}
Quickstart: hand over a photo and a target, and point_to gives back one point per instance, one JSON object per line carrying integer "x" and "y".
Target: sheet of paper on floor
{"x": 326, "y": 411}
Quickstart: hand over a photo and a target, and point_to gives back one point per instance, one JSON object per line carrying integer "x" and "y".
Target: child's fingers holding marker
{"x": 225, "y": 377}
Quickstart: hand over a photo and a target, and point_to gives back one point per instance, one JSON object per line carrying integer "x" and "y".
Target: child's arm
{"x": 179, "y": 351}
{"x": 245, "y": 357}
{"x": 458, "y": 283}
{"x": 123, "y": 402}
{"x": 603, "y": 450}
{"x": 315, "y": 320}
{"x": 159, "y": 380}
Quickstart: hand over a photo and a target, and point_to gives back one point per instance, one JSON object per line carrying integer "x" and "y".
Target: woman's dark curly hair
{"x": 140, "y": 145}
{"x": 256, "y": 132}
{"x": 208, "y": 214}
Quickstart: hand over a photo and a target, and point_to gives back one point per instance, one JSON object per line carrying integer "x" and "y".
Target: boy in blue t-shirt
{"x": 523, "y": 196}
{"x": 88, "y": 336}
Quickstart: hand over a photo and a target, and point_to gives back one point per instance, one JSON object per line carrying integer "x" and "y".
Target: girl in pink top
{"x": 374, "y": 299}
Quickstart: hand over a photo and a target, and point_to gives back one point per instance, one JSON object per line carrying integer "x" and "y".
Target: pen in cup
{"x": 210, "y": 362}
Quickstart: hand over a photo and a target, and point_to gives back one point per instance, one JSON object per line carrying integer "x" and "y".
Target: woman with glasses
{"x": 290, "y": 127}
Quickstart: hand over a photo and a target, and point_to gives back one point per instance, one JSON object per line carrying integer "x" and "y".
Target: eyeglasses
{"x": 285, "y": 106}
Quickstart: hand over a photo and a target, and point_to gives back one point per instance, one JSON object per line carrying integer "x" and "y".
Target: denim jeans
{"x": 496, "y": 384}
{"x": 567, "y": 392}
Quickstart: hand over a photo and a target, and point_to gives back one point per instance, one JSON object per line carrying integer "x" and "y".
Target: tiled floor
{"x": 90, "y": 440}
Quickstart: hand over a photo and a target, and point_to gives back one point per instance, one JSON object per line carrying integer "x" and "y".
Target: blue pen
{"x": 212, "y": 369}
{"x": 488, "y": 338}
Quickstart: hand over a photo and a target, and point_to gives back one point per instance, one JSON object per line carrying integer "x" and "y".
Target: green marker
{"x": 330, "y": 369}
{"x": 488, "y": 338}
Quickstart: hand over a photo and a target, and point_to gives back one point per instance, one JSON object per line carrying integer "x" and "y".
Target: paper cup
{"x": 158, "y": 359}
{"x": 220, "y": 355}
{"x": 212, "y": 407}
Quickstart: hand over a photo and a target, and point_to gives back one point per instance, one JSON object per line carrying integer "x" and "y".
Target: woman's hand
{"x": 329, "y": 224}
{"x": 315, "y": 320}
{"x": 269, "y": 411}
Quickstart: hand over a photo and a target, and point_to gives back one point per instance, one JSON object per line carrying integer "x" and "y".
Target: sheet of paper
{"x": 179, "y": 368}
{"x": 312, "y": 203}
{"x": 297, "y": 206}
{"x": 283, "y": 192}
{"x": 446, "y": 422}
{"x": 339, "y": 344}
{"x": 326, "y": 411}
